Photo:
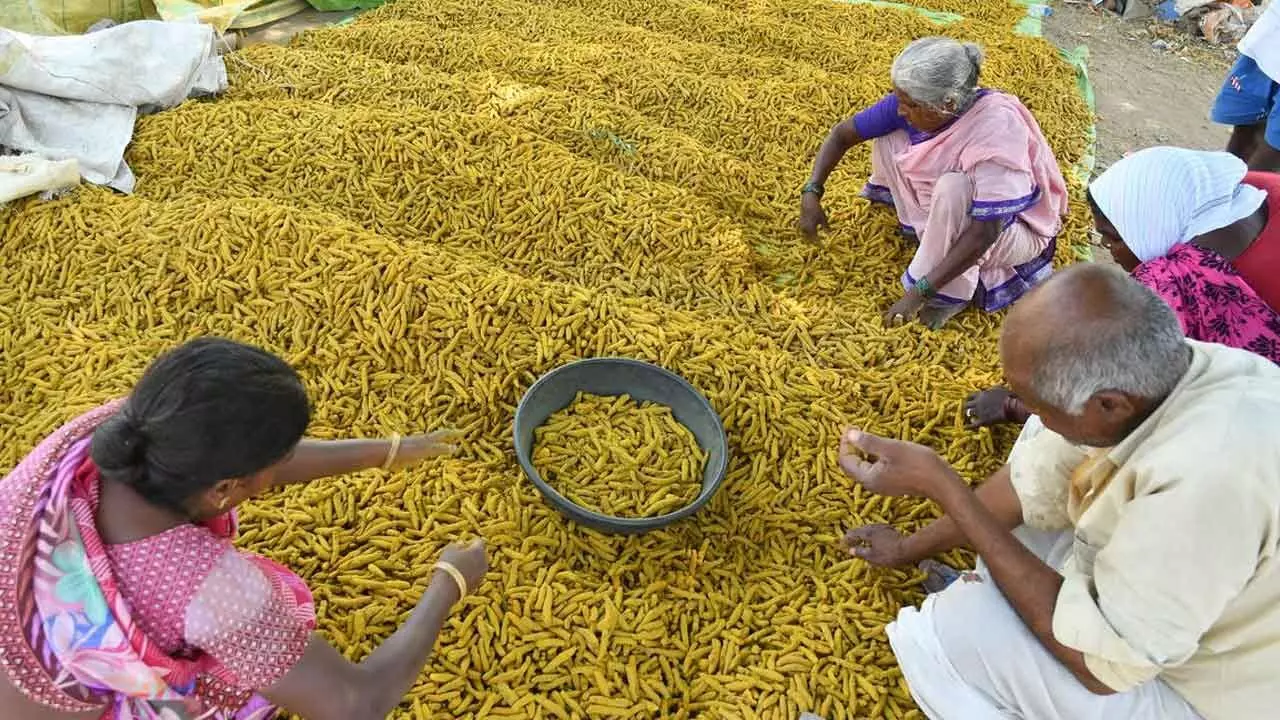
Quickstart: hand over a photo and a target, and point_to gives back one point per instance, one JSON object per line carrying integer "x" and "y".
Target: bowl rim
{"x": 598, "y": 520}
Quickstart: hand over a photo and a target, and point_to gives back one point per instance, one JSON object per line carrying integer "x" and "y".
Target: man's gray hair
{"x": 936, "y": 70}
{"x": 1137, "y": 349}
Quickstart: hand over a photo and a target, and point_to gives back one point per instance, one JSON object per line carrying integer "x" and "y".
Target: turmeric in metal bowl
{"x": 620, "y": 457}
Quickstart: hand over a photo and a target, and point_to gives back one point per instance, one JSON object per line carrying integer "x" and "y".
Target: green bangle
{"x": 813, "y": 188}
{"x": 926, "y": 288}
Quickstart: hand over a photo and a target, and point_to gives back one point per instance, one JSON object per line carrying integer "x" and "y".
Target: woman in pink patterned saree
{"x": 122, "y": 596}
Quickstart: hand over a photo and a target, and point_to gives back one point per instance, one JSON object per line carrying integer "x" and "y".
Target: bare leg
{"x": 1245, "y": 139}
{"x": 1264, "y": 157}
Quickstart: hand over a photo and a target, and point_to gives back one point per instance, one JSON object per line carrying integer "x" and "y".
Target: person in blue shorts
{"x": 1250, "y": 96}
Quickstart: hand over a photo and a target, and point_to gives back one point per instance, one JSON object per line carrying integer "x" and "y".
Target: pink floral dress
{"x": 1212, "y": 300}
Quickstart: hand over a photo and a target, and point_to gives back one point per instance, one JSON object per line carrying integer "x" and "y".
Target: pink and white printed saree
{"x": 69, "y": 639}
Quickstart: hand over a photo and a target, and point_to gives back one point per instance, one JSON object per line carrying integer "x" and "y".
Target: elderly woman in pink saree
{"x": 969, "y": 174}
{"x": 122, "y": 596}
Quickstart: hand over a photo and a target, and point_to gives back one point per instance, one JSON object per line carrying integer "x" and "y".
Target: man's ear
{"x": 1114, "y": 404}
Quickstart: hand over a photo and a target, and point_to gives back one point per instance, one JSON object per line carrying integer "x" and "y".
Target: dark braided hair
{"x": 208, "y": 411}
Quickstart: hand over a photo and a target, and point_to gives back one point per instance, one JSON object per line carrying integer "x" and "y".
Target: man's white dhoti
{"x": 968, "y": 656}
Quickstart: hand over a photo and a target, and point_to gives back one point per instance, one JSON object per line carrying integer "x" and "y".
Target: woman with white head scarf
{"x": 1161, "y": 197}
{"x": 1203, "y": 233}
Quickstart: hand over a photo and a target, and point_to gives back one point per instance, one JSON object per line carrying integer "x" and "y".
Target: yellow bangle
{"x": 392, "y": 452}
{"x": 454, "y": 573}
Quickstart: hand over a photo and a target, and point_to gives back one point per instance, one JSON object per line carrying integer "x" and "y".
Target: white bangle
{"x": 392, "y": 452}
{"x": 456, "y": 574}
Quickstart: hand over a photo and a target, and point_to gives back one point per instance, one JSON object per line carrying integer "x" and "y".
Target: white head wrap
{"x": 1163, "y": 196}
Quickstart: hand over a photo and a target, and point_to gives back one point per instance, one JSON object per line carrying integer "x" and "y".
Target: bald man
{"x": 1128, "y": 549}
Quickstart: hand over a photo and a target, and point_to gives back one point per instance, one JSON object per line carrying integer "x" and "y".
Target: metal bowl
{"x": 642, "y": 381}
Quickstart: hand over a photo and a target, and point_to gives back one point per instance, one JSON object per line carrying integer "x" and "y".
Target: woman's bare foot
{"x": 936, "y": 314}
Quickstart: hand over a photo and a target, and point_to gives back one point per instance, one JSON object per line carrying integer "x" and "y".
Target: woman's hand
{"x": 905, "y": 310}
{"x": 877, "y": 544}
{"x": 417, "y": 448}
{"x": 994, "y": 407}
{"x": 471, "y": 560}
{"x": 899, "y": 469}
{"x": 812, "y": 216}
{"x": 986, "y": 408}
{"x": 326, "y": 686}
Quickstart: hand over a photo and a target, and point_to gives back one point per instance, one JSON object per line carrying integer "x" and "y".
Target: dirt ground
{"x": 1154, "y": 84}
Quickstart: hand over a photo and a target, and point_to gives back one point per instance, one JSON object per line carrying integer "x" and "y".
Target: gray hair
{"x": 935, "y": 71}
{"x": 1136, "y": 348}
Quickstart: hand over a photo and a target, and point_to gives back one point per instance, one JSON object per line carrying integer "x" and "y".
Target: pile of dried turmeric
{"x": 428, "y": 210}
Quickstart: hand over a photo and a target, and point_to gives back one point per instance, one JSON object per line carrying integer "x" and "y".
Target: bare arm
{"x": 326, "y": 686}
{"x": 315, "y": 459}
{"x": 885, "y": 546}
{"x": 1030, "y": 586}
{"x": 996, "y": 495}
{"x": 976, "y": 239}
{"x": 842, "y": 137}
{"x": 1264, "y": 158}
{"x": 964, "y": 254}
{"x": 1017, "y": 411}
